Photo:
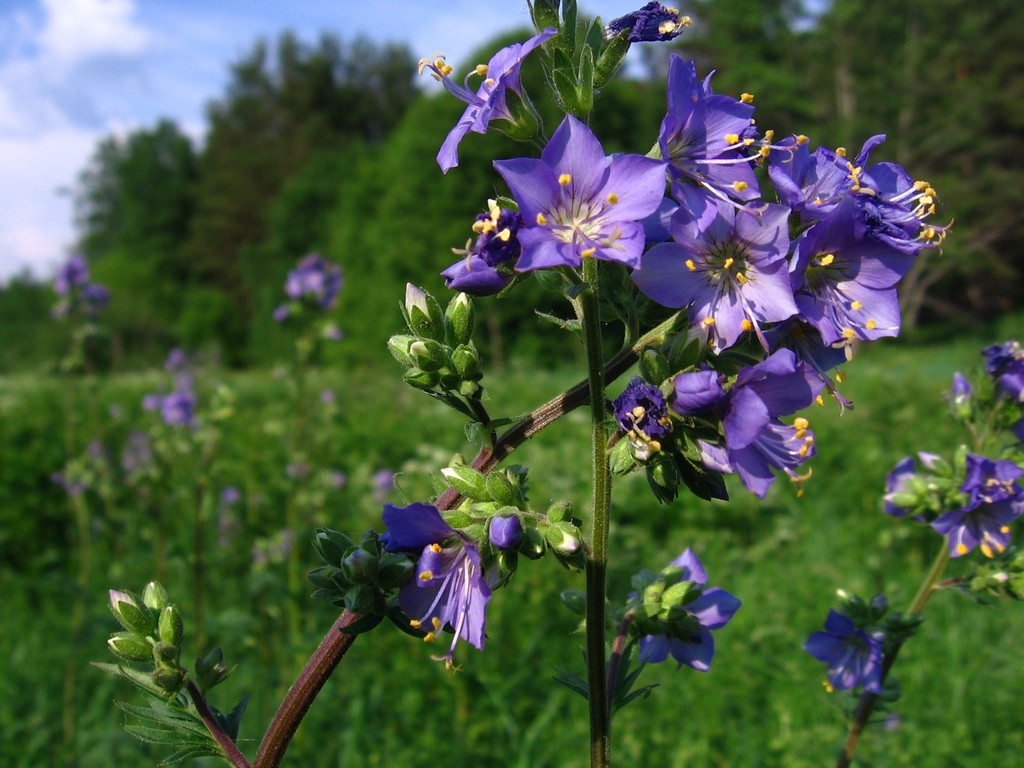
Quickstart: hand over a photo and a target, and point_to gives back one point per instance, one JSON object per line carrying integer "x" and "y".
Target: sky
{"x": 73, "y": 72}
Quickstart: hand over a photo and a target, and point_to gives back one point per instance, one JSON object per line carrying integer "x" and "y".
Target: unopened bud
{"x": 130, "y": 646}
{"x": 563, "y": 537}
{"x": 398, "y": 346}
{"x": 501, "y": 488}
{"x": 505, "y": 532}
{"x": 422, "y": 313}
{"x": 466, "y": 361}
{"x": 169, "y": 679}
{"x": 171, "y": 627}
{"x": 359, "y": 566}
{"x": 461, "y": 318}
{"x": 155, "y": 596}
{"x": 133, "y": 614}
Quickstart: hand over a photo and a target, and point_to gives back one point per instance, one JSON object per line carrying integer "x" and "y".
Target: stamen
{"x": 690, "y": 265}
{"x": 709, "y": 321}
{"x": 481, "y": 69}
{"x": 435, "y": 548}
{"x": 612, "y": 198}
{"x": 426, "y": 576}
{"x": 565, "y": 179}
{"x": 542, "y": 219}
{"x": 747, "y": 98}
{"x": 746, "y": 325}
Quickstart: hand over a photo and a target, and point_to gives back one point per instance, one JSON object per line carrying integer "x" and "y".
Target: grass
{"x": 389, "y": 704}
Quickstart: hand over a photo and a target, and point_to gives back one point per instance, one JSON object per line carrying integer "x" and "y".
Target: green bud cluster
{"x": 658, "y": 606}
{"x": 153, "y": 631}
{"x": 438, "y": 352}
{"x": 502, "y": 493}
{"x": 361, "y": 576}
{"x": 1002, "y": 576}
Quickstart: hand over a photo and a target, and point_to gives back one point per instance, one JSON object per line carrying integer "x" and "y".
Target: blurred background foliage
{"x": 329, "y": 145}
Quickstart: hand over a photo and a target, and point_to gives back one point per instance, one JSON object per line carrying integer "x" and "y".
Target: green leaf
{"x": 566, "y": 325}
{"x": 191, "y": 753}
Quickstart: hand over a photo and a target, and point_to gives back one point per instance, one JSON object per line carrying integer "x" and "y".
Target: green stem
{"x": 867, "y": 701}
{"x": 597, "y": 556}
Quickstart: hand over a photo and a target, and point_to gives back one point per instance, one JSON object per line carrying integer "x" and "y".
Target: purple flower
{"x": 95, "y": 297}
{"x": 501, "y": 74}
{"x": 652, "y": 23}
{"x": 576, "y": 202}
{"x": 230, "y": 495}
{"x": 845, "y": 283}
{"x": 697, "y": 392}
{"x": 74, "y": 273}
{"x": 805, "y": 340}
{"x": 178, "y": 408}
{"x": 505, "y": 532}
{"x": 1005, "y": 364}
{"x": 449, "y": 588}
{"x": 705, "y": 136}
{"x": 497, "y": 245}
{"x": 854, "y": 657}
{"x": 994, "y": 500}
{"x": 891, "y": 207}
{"x": 756, "y": 442}
{"x": 315, "y": 279}
{"x": 713, "y": 609}
{"x": 383, "y": 483}
{"x": 641, "y": 414}
{"x": 728, "y": 266}
{"x": 899, "y": 483}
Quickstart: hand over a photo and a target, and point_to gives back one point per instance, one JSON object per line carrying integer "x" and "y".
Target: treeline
{"x": 330, "y": 147}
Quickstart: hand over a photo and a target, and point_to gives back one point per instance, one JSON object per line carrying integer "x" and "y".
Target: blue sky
{"x": 74, "y": 71}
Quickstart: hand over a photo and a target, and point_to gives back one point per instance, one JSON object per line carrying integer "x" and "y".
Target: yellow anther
{"x": 654, "y": 445}
{"x": 747, "y": 98}
{"x": 429, "y": 637}
{"x": 588, "y": 252}
{"x": 849, "y": 334}
{"x": 709, "y": 321}
{"x": 827, "y": 259}
{"x": 505, "y": 235}
{"x": 801, "y": 423}
{"x": 612, "y": 198}
{"x": 638, "y": 412}
{"x": 961, "y": 548}
{"x": 741, "y": 278}
{"x": 728, "y": 262}
{"x": 666, "y": 27}
{"x": 840, "y": 377}
{"x": 986, "y": 550}
{"x": 415, "y": 623}
{"x": 801, "y": 139}
{"x": 921, "y": 186}
{"x": 764, "y": 151}
{"x": 732, "y": 138}
{"x": 690, "y": 265}
{"x": 739, "y": 186}
{"x": 481, "y": 69}
{"x": 746, "y": 325}
{"x": 827, "y": 686}
{"x": 871, "y": 324}
{"x": 565, "y": 179}
{"x": 435, "y": 548}
{"x": 1004, "y": 529}
{"x": 841, "y": 151}
{"x": 684, "y": 21}
{"x": 436, "y": 623}
{"x": 856, "y": 305}
{"x": 542, "y": 219}
{"x": 426, "y": 576}
{"x": 769, "y": 135}
{"x": 820, "y": 400}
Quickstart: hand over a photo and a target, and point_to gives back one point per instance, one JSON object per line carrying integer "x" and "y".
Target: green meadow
{"x": 389, "y": 703}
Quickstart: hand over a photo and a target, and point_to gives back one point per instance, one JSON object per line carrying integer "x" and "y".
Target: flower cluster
{"x": 177, "y": 408}
{"x": 76, "y": 290}
{"x": 853, "y": 656}
{"x": 313, "y": 283}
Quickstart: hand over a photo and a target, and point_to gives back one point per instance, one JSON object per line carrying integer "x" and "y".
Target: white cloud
{"x": 76, "y": 30}
{"x": 36, "y": 218}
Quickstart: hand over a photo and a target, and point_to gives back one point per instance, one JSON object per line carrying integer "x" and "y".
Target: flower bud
{"x": 467, "y": 481}
{"x": 560, "y": 510}
{"x": 130, "y": 646}
{"x": 155, "y": 596}
{"x": 697, "y": 392}
{"x": 460, "y": 318}
{"x": 169, "y": 679}
{"x": 131, "y": 612}
{"x": 359, "y": 566}
{"x": 533, "y": 545}
{"x": 466, "y": 361}
{"x": 420, "y": 379}
{"x": 960, "y": 399}
{"x": 210, "y": 669}
{"x": 422, "y": 313}
{"x": 564, "y": 537}
{"x": 502, "y": 489}
{"x": 428, "y": 354}
{"x": 166, "y": 654}
{"x": 505, "y": 532}
{"x": 171, "y": 627}
{"x": 398, "y": 346}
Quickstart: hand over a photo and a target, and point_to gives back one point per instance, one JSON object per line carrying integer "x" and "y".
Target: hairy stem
{"x": 867, "y": 701}
{"x": 231, "y": 750}
{"x": 597, "y": 557}
{"x": 303, "y": 691}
